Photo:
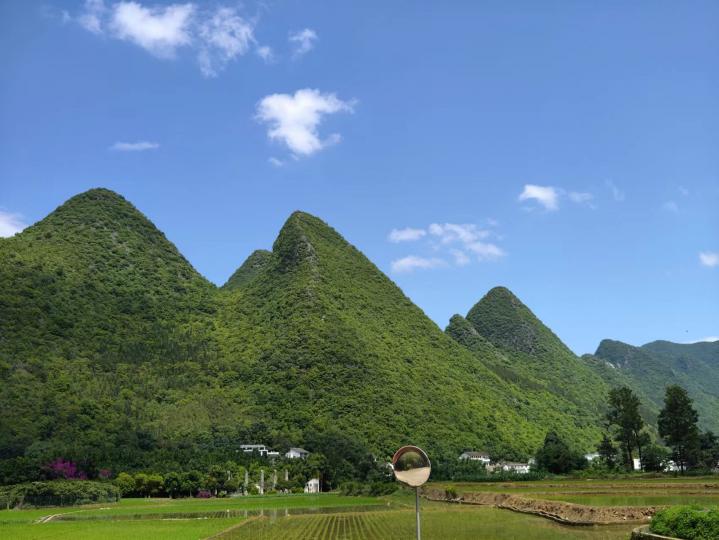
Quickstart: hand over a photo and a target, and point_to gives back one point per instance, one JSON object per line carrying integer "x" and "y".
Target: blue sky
{"x": 567, "y": 150}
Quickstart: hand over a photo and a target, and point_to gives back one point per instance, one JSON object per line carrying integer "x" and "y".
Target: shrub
{"x": 58, "y": 493}
{"x": 450, "y": 493}
{"x": 688, "y": 522}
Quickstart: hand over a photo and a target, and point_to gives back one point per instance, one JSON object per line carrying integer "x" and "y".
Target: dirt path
{"x": 562, "y": 512}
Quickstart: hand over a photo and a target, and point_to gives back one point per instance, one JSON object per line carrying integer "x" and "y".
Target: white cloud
{"x": 547, "y": 196}
{"x": 158, "y": 30}
{"x": 276, "y": 162}
{"x": 265, "y": 52}
{"x": 617, "y": 193}
{"x": 453, "y": 232}
{"x": 408, "y": 234}
{"x": 580, "y": 197}
{"x": 671, "y": 206}
{"x": 294, "y": 119}
{"x": 459, "y": 241}
{"x": 709, "y": 258}
{"x": 139, "y": 146}
{"x": 91, "y": 18}
{"x": 460, "y": 257}
{"x": 224, "y": 37}
{"x": 10, "y": 224}
{"x": 303, "y": 41}
{"x": 684, "y": 191}
{"x": 217, "y": 36}
{"x": 486, "y": 251}
{"x": 709, "y": 339}
{"x": 412, "y": 262}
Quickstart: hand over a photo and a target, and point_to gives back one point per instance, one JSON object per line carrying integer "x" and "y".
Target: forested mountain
{"x": 116, "y": 353}
{"x": 656, "y": 365}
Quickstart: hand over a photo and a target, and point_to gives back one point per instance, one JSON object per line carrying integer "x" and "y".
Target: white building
{"x": 513, "y": 466}
{"x": 259, "y": 448}
{"x": 591, "y": 457}
{"x": 297, "y": 453}
{"x": 272, "y": 454}
{"x": 313, "y": 486}
{"x": 482, "y": 457}
{"x": 637, "y": 464}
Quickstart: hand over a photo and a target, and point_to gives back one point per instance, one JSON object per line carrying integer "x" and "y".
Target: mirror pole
{"x": 416, "y": 507}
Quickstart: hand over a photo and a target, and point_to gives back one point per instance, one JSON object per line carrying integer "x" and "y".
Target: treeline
{"x": 685, "y": 446}
{"x": 627, "y": 436}
{"x": 57, "y": 493}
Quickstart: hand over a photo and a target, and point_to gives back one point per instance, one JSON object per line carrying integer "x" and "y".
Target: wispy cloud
{"x": 294, "y": 119}
{"x": 217, "y": 36}
{"x": 580, "y": 197}
{"x": 709, "y": 258}
{"x": 302, "y": 41}
{"x": 617, "y": 194}
{"x": 413, "y": 262}
{"x": 266, "y": 53}
{"x": 139, "y": 146}
{"x": 408, "y": 234}
{"x": 671, "y": 206}
{"x": 461, "y": 243}
{"x": 546, "y": 196}
{"x": 276, "y": 162}
{"x": 10, "y": 224}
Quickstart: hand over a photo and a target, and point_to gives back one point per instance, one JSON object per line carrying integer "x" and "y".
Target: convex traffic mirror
{"x": 411, "y": 466}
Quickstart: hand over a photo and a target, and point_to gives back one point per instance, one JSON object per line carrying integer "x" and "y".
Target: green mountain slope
{"x": 535, "y": 352}
{"x": 654, "y": 366}
{"x": 346, "y": 348}
{"x": 115, "y": 352}
{"x": 252, "y": 266}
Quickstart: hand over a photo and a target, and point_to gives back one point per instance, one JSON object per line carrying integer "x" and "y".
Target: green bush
{"x": 687, "y": 522}
{"x": 450, "y": 493}
{"x": 375, "y": 489}
{"x": 58, "y": 493}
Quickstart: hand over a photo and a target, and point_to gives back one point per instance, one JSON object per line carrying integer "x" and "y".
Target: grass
{"x": 126, "y": 530}
{"x": 332, "y": 516}
{"x": 438, "y": 522}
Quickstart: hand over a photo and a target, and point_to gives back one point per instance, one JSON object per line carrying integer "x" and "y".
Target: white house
{"x": 261, "y": 449}
{"x": 591, "y": 457}
{"x": 297, "y": 453}
{"x": 482, "y": 457}
{"x": 313, "y": 486}
{"x": 513, "y": 466}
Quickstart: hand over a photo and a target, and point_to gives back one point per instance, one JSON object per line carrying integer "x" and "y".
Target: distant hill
{"x": 654, "y": 366}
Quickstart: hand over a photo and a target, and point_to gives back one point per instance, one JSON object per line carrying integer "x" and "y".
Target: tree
{"x": 654, "y": 458}
{"x": 624, "y": 414}
{"x": 556, "y": 457}
{"x": 678, "y": 426}
{"x": 125, "y": 482}
{"x": 708, "y": 450}
{"x": 173, "y": 484}
{"x": 607, "y": 452}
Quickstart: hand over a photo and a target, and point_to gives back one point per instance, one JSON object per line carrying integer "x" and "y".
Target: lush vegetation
{"x": 117, "y": 356}
{"x": 649, "y": 369}
{"x": 57, "y": 493}
{"x": 687, "y": 522}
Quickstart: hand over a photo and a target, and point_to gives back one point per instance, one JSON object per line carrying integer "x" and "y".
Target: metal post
{"x": 416, "y": 507}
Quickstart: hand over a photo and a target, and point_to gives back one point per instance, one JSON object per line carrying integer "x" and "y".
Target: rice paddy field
{"x": 627, "y": 492}
{"x": 335, "y": 517}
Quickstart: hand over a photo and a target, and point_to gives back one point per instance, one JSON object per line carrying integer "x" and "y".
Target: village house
{"x": 312, "y": 486}
{"x": 261, "y": 449}
{"x": 482, "y": 457}
{"x": 297, "y": 453}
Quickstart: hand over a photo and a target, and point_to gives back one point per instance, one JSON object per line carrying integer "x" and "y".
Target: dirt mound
{"x": 572, "y": 514}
